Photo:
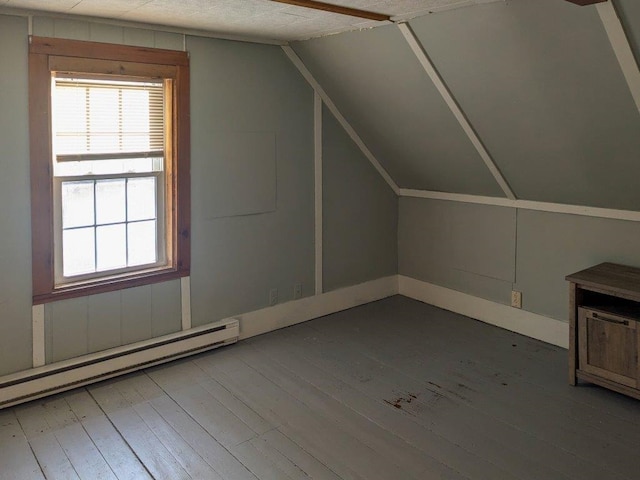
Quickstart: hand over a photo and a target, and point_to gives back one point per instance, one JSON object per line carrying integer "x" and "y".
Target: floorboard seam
{"x": 133, "y": 452}
{"x": 196, "y": 421}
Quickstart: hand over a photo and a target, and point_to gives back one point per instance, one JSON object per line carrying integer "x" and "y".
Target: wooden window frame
{"x": 47, "y": 55}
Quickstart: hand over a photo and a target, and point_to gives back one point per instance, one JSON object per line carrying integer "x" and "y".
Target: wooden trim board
{"x": 185, "y": 302}
{"x": 584, "y": 3}
{"x": 621, "y": 47}
{"x": 425, "y": 62}
{"x": 308, "y": 308}
{"x": 629, "y": 215}
{"x": 530, "y": 324}
{"x": 37, "y": 322}
{"x": 342, "y": 10}
{"x": 297, "y": 62}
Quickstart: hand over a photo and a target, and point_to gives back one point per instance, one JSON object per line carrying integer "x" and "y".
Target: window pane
{"x": 110, "y": 201}
{"x": 77, "y": 204}
{"x": 112, "y": 247}
{"x": 78, "y": 251}
{"x": 141, "y": 198}
{"x": 142, "y": 243}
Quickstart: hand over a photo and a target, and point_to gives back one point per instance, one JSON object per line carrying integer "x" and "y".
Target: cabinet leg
{"x": 573, "y": 335}
{"x": 572, "y": 352}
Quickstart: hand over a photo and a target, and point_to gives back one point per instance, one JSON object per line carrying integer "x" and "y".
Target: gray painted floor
{"x": 392, "y": 390}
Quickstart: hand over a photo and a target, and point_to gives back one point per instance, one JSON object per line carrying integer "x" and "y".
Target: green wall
{"x": 465, "y": 247}
{"x": 252, "y": 171}
{"x": 487, "y": 251}
{"x": 15, "y": 222}
{"x": 360, "y": 213}
{"x": 255, "y": 232}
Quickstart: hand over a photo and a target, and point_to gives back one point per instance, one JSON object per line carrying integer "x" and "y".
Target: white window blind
{"x": 95, "y": 119}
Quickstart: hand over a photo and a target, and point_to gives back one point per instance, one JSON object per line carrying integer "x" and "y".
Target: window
{"x": 108, "y": 176}
{"x": 109, "y": 129}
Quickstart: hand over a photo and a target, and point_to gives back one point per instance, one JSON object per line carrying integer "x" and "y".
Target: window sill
{"x": 110, "y": 284}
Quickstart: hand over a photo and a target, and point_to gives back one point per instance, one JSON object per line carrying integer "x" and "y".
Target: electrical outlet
{"x": 297, "y": 291}
{"x": 516, "y": 299}
{"x": 273, "y": 296}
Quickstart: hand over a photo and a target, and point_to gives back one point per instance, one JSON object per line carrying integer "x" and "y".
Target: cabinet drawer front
{"x": 608, "y": 346}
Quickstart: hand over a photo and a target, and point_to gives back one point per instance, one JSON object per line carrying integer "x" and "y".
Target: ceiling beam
{"x": 622, "y": 48}
{"x": 430, "y": 69}
{"x": 328, "y": 7}
{"x": 297, "y": 62}
{"x": 586, "y": 2}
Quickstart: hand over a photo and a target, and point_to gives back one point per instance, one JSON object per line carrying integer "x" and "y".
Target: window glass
{"x": 141, "y": 198}
{"x": 141, "y": 235}
{"x": 79, "y": 256}
{"x": 111, "y": 246}
{"x": 77, "y": 204}
{"x": 111, "y": 201}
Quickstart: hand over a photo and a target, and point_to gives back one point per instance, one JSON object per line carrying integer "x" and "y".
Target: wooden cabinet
{"x": 604, "y": 332}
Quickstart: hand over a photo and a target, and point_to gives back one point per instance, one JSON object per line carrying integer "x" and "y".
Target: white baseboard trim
{"x": 76, "y": 372}
{"x": 297, "y": 311}
{"x": 526, "y": 323}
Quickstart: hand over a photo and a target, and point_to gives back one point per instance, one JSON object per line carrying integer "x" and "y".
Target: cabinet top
{"x": 610, "y": 276}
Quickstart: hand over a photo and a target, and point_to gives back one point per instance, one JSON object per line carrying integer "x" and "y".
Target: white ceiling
{"x": 263, "y": 19}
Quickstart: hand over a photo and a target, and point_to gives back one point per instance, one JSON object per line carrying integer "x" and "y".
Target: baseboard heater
{"x": 42, "y": 381}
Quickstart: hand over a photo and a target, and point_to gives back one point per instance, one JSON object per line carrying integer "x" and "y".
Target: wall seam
{"x": 304, "y": 71}
{"x": 318, "y": 172}
{"x": 549, "y": 207}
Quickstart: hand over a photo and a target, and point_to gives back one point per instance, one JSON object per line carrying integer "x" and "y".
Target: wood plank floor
{"x": 391, "y": 390}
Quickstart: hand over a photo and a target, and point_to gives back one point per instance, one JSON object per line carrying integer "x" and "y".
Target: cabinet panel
{"x": 604, "y": 323}
{"x": 608, "y": 346}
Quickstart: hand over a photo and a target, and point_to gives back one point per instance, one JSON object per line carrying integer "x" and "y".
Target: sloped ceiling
{"x": 538, "y": 81}
{"x": 381, "y": 89}
{"x": 256, "y": 19}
